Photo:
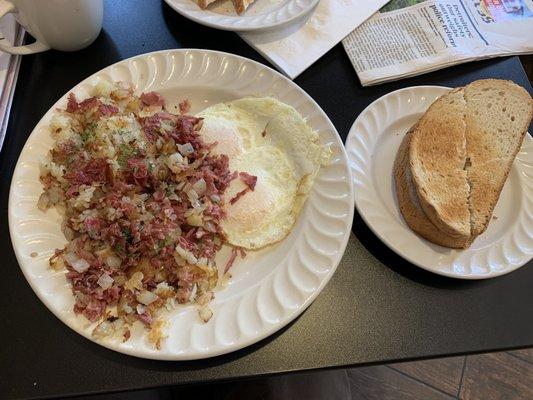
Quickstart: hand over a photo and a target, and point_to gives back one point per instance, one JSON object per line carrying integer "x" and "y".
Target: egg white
{"x": 269, "y": 139}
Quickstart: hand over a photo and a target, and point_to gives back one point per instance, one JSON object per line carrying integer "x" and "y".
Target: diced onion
{"x": 192, "y": 195}
{"x": 195, "y": 220}
{"x": 185, "y": 149}
{"x": 113, "y": 261}
{"x": 78, "y": 264}
{"x": 163, "y": 286}
{"x": 192, "y": 296}
{"x": 205, "y": 313}
{"x": 44, "y": 202}
{"x": 140, "y": 309}
{"x": 186, "y": 255}
{"x": 135, "y": 282}
{"x": 175, "y": 162}
{"x": 210, "y": 227}
{"x": 57, "y": 263}
{"x": 146, "y": 297}
{"x": 170, "y": 303}
{"x": 105, "y": 281}
{"x": 200, "y": 186}
{"x": 205, "y": 298}
{"x": 70, "y": 257}
{"x": 102, "y": 330}
{"x": 202, "y": 261}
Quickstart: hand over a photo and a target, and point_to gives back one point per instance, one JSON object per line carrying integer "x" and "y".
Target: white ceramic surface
{"x": 269, "y": 288}
{"x": 372, "y": 145}
{"x": 55, "y": 24}
{"x": 260, "y": 15}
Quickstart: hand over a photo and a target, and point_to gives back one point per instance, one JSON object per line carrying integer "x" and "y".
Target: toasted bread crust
{"x": 410, "y": 206}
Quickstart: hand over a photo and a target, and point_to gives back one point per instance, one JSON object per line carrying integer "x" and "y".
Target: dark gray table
{"x": 377, "y": 307}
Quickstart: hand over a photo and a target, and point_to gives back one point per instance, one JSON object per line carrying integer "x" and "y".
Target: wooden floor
{"x": 506, "y": 376}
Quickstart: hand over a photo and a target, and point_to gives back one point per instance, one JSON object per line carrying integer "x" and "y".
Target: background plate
{"x": 260, "y": 15}
{"x": 269, "y": 288}
{"x": 372, "y": 145}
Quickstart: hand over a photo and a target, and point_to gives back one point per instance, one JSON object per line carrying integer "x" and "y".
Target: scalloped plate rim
{"x": 374, "y": 226}
{"x": 241, "y": 344}
{"x": 198, "y": 17}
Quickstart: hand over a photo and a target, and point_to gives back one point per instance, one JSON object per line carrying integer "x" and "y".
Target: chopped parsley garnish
{"x": 119, "y": 248}
{"x": 125, "y": 153}
{"x": 127, "y": 235}
{"x": 88, "y": 132}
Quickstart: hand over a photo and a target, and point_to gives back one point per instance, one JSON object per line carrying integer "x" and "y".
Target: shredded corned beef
{"x": 143, "y": 199}
{"x": 86, "y": 173}
{"x": 72, "y": 105}
{"x": 106, "y": 110}
{"x": 249, "y": 181}
{"x": 231, "y": 260}
{"x": 152, "y": 99}
{"x": 185, "y": 106}
{"x": 89, "y": 103}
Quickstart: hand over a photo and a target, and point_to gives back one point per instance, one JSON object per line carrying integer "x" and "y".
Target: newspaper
{"x": 412, "y": 37}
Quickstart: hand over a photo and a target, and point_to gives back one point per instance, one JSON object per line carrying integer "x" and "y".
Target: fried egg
{"x": 270, "y": 140}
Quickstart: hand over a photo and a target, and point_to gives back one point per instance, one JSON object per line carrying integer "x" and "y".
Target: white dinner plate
{"x": 260, "y": 15}
{"x": 372, "y": 145}
{"x": 268, "y": 288}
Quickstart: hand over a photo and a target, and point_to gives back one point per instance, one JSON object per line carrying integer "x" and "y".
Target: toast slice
{"x": 203, "y": 4}
{"x": 241, "y": 5}
{"x": 497, "y": 117}
{"x": 459, "y": 156}
{"x": 410, "y": 205}
{"x": 437, "y": 157}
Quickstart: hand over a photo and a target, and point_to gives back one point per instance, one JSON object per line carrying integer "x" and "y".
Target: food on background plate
{"x": 204, "y": 3}
{"x": 452, "y": 165}
{"x": 144, "y": 194}
{"x": 240, "y": 5}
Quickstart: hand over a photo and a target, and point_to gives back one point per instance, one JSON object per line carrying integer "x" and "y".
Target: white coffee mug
{"x": 65, "y": 25}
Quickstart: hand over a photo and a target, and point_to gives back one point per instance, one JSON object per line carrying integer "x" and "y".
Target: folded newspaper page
{"x": 419, "y": 36}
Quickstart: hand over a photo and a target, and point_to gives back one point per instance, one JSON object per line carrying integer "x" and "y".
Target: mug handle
{"x": 7, "y": 7}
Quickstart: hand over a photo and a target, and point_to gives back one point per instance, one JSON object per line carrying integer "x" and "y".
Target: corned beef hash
{"x": 145, "y": 194}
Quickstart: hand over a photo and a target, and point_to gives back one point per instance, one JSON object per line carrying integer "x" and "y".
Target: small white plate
{"x": 260, "y": 15}
{"x": 269, "y": 288}
{"x": 372, "y": 145}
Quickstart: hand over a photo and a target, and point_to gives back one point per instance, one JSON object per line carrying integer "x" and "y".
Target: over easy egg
{"x": 269, "y": 139}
